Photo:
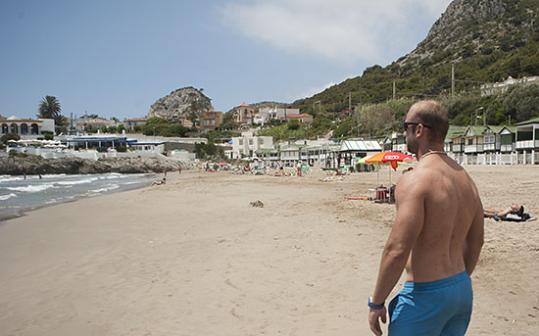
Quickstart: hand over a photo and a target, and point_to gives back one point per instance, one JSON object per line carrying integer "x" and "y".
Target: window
{"x": 470, "y": 141}
{"x": 241, "y": 142}
{"x": 250, "y": 142}
{"x": 260, "y": 141}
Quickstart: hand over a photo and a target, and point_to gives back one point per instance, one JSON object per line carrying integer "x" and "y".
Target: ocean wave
{"x": 32, "y": 188}
{"x": 47, "y": 176}
{"x": 6, "y": 197}
{"x": 133, "y": 182}
{"x": 111, "y": 187}
{"x": 7, "y": 178}
{"x": 113, "y": 176}
{"x": 89, "y": 180}
{"x": 10, "y": 178}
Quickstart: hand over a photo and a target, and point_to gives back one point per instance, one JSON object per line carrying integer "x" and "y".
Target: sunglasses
{"x": 406, "y": 124}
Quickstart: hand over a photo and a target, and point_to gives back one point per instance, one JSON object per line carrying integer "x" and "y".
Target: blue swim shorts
{"x": 441, "y": 307}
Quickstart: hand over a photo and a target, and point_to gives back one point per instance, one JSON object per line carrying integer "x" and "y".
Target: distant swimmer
{"x": 437, "y": 236}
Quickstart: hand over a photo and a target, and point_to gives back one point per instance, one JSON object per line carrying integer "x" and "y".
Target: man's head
{"x": 426, "y": 123}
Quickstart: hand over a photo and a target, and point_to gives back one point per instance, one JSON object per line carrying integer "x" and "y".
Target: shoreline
{"x": 9, "y": 214}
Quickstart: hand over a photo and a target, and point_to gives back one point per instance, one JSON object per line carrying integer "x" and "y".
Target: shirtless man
{"x": 437, "y": 236}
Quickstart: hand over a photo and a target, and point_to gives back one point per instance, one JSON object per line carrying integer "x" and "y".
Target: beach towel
{"x": 514, "y": 217}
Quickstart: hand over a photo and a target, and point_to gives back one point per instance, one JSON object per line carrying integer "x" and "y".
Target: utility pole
{"x": 452, "y": 80}
{"x": 358, "y": 124}
{"x": 394, "y": 90}
{"x": 71, "y": 124}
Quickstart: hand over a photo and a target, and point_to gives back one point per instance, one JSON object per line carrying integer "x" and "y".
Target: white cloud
{"x": 312, "y": 91}
{"x": 340, "y": 30}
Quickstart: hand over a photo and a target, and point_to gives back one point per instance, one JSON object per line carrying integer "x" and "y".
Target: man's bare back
{"x": 451, "y": 204}
{"x": 437, "y": 237}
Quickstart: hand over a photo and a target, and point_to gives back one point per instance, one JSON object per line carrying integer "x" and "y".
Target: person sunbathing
{"x": 497, "y": 214}
{"x": 514, "y": 213}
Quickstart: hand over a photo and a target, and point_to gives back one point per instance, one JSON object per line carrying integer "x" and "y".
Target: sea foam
{"x": 83, "y": 181}
{"x": 32, "y": 188}
{"x": 6, "y": 197}
{"x": 111, "y": 187}
{"x": 7, "y": 178}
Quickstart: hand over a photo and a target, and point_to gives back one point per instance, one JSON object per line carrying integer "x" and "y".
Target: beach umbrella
{"x": 375, "y": 159}
{"x": 394, "y": 157}
{"x": 391, "y": 158}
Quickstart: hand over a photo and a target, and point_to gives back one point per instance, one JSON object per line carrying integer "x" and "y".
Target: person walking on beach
{"x": 437, "y": 236}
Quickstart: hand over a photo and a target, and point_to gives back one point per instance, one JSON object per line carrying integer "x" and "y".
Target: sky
{"x": 115, "y": 58}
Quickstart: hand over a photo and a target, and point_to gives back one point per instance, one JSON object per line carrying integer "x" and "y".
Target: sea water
{"x": 19, "y": 193}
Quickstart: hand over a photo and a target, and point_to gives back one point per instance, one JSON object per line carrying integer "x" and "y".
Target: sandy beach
{"x": 192, "y": 257}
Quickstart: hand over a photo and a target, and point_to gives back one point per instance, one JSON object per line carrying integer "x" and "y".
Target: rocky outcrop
{"x": 469, "y": 26}
{"x": 184, "y": 103}
{"x": 33, "y": 165}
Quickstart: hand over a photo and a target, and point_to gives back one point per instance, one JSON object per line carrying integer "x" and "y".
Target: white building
{"x": 248, "y": 144}
{"x": 502, "y": 87}
{"x": 131, "y": 123}
{"x": 27, "y": 128}
{"x": 84, "y": 123}
{"x": 266, "y": 114}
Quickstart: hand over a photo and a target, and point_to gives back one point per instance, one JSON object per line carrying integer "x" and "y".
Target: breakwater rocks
{"x": 33, "y": 165}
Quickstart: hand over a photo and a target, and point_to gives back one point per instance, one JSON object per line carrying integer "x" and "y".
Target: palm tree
{"x": 50, "y": 108}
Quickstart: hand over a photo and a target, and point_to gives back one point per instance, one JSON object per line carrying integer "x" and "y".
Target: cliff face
{"x": 184, "y": 103}
{"x": 470, "y": 27}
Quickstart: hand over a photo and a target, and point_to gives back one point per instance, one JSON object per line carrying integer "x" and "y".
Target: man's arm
{"x": 407, "y": 227}
{"x": 474, "y": 240}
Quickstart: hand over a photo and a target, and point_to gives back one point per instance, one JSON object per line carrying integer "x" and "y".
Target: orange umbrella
{"x": 394, "y": 157}
{"x": 375, "y": 159}
{"x": 388, "y": 157}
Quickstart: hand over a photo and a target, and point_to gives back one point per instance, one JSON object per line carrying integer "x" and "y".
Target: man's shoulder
{"x": 418, "y": 176}
{"x": 415, "y": 182}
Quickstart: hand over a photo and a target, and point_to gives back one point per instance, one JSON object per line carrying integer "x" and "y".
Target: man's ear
{"x": 419, "y": 131}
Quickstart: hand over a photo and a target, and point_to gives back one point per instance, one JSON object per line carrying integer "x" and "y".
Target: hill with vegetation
{"x": 185, "y": 103}
{"x": 485, "y": 40}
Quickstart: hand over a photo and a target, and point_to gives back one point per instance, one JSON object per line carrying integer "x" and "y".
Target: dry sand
{"x": 194, "y": 258}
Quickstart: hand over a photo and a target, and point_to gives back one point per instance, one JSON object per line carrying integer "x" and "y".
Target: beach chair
{"x": 382, "y": 195}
